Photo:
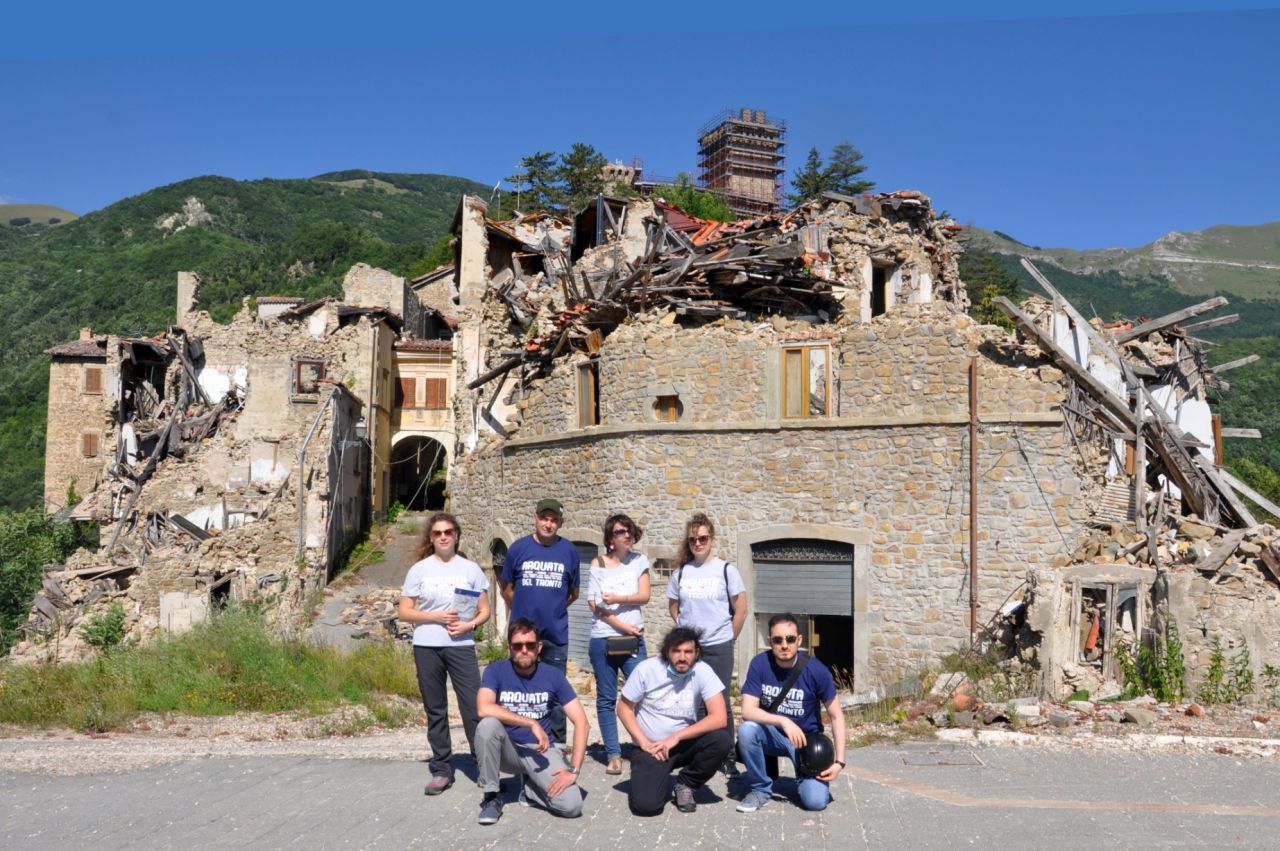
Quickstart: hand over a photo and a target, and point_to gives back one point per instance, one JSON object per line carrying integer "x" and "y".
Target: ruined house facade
{"x": 829, "y": 443}
{"x": 244, "y": 460}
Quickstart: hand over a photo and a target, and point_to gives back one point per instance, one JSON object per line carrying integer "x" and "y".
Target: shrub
{"x": 105, "y": 629}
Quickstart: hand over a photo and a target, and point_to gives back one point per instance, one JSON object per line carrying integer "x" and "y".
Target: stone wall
{"x": 74, "y": 411}
{"x": 889, "y": 473}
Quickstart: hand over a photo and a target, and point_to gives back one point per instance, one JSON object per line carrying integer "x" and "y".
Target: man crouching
{"x": 659, "y": 707}
{"x": 516, "y": 698}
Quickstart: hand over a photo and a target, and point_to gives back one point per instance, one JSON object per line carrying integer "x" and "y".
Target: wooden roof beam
{"x": 1169, "y": 319}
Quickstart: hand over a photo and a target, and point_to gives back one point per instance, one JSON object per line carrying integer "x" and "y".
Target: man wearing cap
{"x": 539, "y": 581}
{"x": 777, "y": 724}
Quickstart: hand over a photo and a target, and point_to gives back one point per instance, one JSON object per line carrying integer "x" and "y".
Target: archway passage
{"x": 418, "y": 466}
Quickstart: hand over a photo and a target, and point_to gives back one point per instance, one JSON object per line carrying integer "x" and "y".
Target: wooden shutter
{"x": 93, "y": 379}
{"x": 437, "y": 393}
{"x": 89, "y": 445}
{"x": 406, "y": 393}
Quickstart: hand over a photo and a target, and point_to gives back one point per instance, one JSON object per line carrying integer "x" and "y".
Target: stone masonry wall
{"x": 72, "y": 413}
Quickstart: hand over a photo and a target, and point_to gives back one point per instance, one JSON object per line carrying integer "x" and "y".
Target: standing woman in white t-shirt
{"x": 444, "y": 595}
{"x": 707, "y": 593}
{"x": 617, "y": 592}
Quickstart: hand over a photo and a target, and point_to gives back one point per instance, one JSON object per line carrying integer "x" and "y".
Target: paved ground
{"x": 358, "y": 793}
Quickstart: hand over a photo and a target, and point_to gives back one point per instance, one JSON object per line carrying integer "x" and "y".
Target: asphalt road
{"x": 917, "y": 795}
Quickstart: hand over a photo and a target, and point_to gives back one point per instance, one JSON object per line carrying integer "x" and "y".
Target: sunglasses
{"x": 524, "y": 645}
{"x": 699, "y": 540}
{"x": 783, "y": 639}
{"x": 618, "y": 533}
{"x": 443, "y": 533}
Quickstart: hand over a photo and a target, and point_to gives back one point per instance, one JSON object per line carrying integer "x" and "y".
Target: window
{"x": 805, "y": 379}
{"x": 89, "y": 445}
{"x": 93, "y": 379}
{"x": 588, "y": 394}
{"x": 437, "y": 393}
{"x": 667, "y": 409}
{"x": 879, "y": 290}
{"x": 406, "y": 393}
{"x": 307, "y": 375}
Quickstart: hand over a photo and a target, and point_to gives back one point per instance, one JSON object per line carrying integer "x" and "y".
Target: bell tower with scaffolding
{"x": 740, "y": 157}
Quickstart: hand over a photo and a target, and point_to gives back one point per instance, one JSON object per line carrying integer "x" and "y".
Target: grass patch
{"x": 231, "y": 663}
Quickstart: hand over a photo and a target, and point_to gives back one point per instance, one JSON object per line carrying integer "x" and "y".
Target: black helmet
{"x": 817, "y": 755}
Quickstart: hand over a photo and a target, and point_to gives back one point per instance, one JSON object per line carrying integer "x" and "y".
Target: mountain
{"x": 115, "y": 269}
{"x": 33, "y": 215}
{"x": 1231, "y": 259}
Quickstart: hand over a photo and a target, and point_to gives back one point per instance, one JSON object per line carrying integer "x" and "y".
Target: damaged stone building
{"x": 874, "y": 459}
{"x": 244, "y": 460}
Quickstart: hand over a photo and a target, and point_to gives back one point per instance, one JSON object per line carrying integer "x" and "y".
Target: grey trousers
{"x": 434, "y": 664}
{"x": 720, "y": 658}
{"x": 497, "y": 753}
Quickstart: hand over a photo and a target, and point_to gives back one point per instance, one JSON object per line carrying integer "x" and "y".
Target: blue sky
{"x": 1109, "y": 125}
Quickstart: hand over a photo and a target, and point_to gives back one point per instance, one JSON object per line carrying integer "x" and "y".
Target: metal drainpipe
{"x": 302, "y": 488}
{"x": 973, "y": 500}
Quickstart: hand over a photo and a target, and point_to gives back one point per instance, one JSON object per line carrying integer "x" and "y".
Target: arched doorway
{"x": 418, "y": 466}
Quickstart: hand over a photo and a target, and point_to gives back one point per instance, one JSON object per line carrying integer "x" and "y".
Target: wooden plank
{"x": 1096, "y": 388}
{"x": 1218, "y": 556}
{"x": 1266, "y": 504}
{"x": 1169, "y": 319}
{"x": 1215, "y": 322}
{"x": 1244, "y": 361}
{"x": 1217, "y": 439}
{"x": 1214, "y": 475}
{"x": 1252, "y": 433}
{"x": 1270, "y": 559}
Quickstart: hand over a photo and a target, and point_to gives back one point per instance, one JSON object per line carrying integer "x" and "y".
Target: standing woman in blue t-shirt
{"x": 444, "y": 597}
{"x": 707, "y": 593}
{"x": 617, "y": 592}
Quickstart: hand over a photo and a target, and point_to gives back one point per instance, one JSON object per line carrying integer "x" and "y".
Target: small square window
{"x": 307, "y": 375}
{"x": 667, "y": 409}
{"x": 806, "y": 377}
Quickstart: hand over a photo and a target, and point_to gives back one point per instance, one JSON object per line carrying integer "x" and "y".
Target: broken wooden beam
{"x": 1243, "y": 489}
{"x": 1113, "y": 403}
{"x": 1251, "y": 433}
{"x": 1169, "y": 319}
{"x": 500, "y": 369}
{"x": 1244, "y": 361}
{"x": 1218, "y": 556}
{"x": 1215, "y": 322}
{"x": 1270, "y": 558}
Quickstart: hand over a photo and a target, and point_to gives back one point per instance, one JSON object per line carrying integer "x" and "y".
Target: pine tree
{"x": 842, "y": 173}
{"x": 581, "y": 175}
{"x": 808, "y": 182}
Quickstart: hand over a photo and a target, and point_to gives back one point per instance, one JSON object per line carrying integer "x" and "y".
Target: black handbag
{"x": 621, "y": 645}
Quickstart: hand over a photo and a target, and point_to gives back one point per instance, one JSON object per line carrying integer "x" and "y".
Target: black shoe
{"x": 438, "y": 783}
{"x": 490, "y": 809}
{"x": 684, "y": 798}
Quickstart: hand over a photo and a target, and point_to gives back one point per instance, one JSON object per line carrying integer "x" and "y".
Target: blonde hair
{"x": 699, "y": 519}
{"x": 426, "y": 547}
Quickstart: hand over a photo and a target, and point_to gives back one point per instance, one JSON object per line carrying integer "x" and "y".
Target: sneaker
{"x": 753, "y": 801}
{"x": 438, "y": 783}
{"x": 684, "y": 798}
{"x": 614, "y": 766}
{"x": 490, "y": 809}
{"x": 523, "y": 798}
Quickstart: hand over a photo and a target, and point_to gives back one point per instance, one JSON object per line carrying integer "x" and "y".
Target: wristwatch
{"x": 573, "y": 770}
{"x": 839, "y": 763}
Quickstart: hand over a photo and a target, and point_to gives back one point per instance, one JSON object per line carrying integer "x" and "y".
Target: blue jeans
{"x": 755, "y": 742}
{"x": 557, "y": 656}
{"x": 607, "y": 668}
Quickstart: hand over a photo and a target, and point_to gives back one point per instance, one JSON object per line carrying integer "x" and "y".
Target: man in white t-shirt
{"x": 660, "y": 706}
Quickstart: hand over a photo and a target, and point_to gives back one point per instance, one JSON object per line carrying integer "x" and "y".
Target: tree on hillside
{"x": 840, "y": 175}
{"x": 694, "y": 201}
{"x": 986, "y": 278}
{"x": 581, "y": 175}
{"x": 537, "y": 182}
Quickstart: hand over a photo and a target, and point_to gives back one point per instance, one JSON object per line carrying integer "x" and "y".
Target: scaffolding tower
{"x": 740, "y": 157}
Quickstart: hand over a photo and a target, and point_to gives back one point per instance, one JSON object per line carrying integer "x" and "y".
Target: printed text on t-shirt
{"x": 527, "y": 704}
{"x": 542, "y": 574}
{"x": 792, "y": 704}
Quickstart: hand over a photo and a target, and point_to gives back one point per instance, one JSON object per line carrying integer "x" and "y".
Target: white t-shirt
{"x": 704, "y": 598}
{"x": 665, "y": 703}
{"x": 432, "y": 582}
{"x": 624, "y": 580}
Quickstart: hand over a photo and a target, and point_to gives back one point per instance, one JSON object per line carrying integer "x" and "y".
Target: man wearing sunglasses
{"x": 778, "y": 724}
{"x": 516, "y": 698}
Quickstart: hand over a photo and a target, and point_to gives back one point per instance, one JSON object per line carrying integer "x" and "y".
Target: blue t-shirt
{"x": 803, "y": 703}
{"x": 542, "y": 577}
{"x": 532, "y": 696}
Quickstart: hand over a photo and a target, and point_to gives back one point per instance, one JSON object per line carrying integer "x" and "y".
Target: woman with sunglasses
{"x": 707, "y": 593}
{"x": 444, "y": 596}
{"x": 617, "y": 592}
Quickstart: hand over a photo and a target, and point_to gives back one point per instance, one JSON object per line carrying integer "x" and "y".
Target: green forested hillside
{"x": 115, "y": 270}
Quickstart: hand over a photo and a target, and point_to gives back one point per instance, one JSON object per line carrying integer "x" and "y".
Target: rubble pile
{"x": 800, "y": 264}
